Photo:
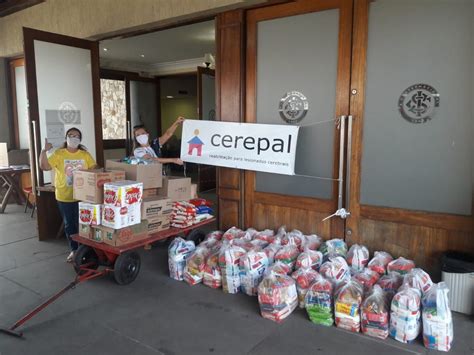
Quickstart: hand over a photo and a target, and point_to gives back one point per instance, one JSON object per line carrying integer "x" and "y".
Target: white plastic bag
{"x": 405, "y": 315}
{"x": 419, "y": 279}
{"x": 178, "y": 250}
{"x": 252, "y": 266}
{"x": 357, "y": 257}
{"x": 335, "y": 270}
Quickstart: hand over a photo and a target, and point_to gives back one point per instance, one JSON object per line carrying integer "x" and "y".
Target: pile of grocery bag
{"x": 379, "y": 296}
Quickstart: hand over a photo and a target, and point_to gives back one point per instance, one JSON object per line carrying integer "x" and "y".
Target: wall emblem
{"x": 293, "y": 107}
{"x": 68, "y": 113}
{"x": 418, "y": 103}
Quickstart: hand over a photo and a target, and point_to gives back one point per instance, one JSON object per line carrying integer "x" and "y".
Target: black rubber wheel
{"x": 85, "y": 255}
{"x": 127, "y": 267}
{"x": 197, "y": 236}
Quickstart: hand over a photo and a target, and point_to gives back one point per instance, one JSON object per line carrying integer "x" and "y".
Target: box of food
{"x": 176, "y": 188}
{"x": 148, "y": 174}
{"x": 159, "y": 224}
{"x": 90, "y": 213}
{"x": 121, "y": 216}
{"x": 88, "y": 185}
{"x": 150, "y": 192}
{"x": 123, "y": 193}
{"x": 194, "y": 191}
{"x": 122, "y": 236}
{"x": 85, "y": 231}
{"x": 154, "y": 207}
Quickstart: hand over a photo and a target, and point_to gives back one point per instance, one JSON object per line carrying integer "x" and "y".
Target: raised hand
{"x": 47, "y": 145}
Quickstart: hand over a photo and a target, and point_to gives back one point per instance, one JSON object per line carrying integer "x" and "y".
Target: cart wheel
{"x": 85, "y": 255}
{"x": 127, "y": 267}
{"x": 197, "y": 236}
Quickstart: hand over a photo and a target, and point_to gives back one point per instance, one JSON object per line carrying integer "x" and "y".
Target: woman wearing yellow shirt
{"x": 71, "y": 156}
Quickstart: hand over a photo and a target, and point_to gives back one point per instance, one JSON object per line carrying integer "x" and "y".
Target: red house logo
{"x": 195, "y": 144}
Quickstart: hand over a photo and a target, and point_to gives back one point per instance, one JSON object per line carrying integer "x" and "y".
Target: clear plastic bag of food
{"x": 215, "y": 235}
{"x": 419, "y": 279}
{"x": 312, "y": 242}
{"x": 267, "y": 235}
{"x": 367, "y": 278}
{"x": 233, "y": 233}
{"x": 258, "y": 244}
{"x": 278, "y": 268}
{"x": 303, "y": 277}
{"x": 252, "y": 267}
{"x": 319, "y": 302}
{"x": 333, "y": 247}
{"x": 335, "y": 270}
{"x": 309, "y": 258}
{"x": 379, "y": 262}
{"x": 287, "y": 254}
{"x": 357, "y": 257}
{"x": 390, "y": 283}
{"x": 211, "y": 275}
{"x": 195, "y": 265}
{"x": 178, "y": 251}
{"x": 229, "y": 258}
{"x": 401, "y": 265}
{"x": 295, "y": 237}
{"x": 375, "y": 312}
{"x": 271, "y": 250}
{"x": 405, "y": 315}
{"x": 347, "y": 303}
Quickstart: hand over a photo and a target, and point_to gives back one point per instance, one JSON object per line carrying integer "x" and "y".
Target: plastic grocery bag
{"x": 178, "y": 250}
{"x": 335, "y": 270}
{"x": 271, "y": 250}
{"x": 309, "y": 258}
{"x": 390, "y": 283}
{"x": 229, "y": 258}
{"x": 367, "y": 278}
{"x": 318, "y": 302}
{"x": 419, "y": 279}
{"x": 277, "y": 296}
{"x": 278, "y": 268}
{"x": 405, "y": 315}
{"x": 437, "y": 318}
{"x": 295, "y": 237}
{"x": 252, "y": 266}
{"x": 333, "y": 247}
{"x": 375, "y": 312}
{"x": 233, "y": 233}
{"x": 357, "y": 257}
{"x": 211, "y": 274}
{"x": 379, "y": 262}
{"x": 401, "y": 265}
{"x": 347, "y": 306}
{"x": 287, "y": 254}
{"x": 312, "y": 242}
{"x": 193, "y": 271}
{"x": 303, "y": 277}
{"x": 267, "y": 235}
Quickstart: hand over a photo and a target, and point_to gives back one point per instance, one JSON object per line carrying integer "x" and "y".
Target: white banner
{"x": 249, "y": 146}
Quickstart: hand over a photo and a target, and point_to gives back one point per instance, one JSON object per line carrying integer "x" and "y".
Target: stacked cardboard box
{"x": 122, "y": 204}
{"x": 157, "y": 211}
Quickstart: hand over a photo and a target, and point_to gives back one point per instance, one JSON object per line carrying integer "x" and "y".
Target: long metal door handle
{"x": 342, "y": 129}
{"x": 350, "y": 120}
{"x": 35, "y": 150}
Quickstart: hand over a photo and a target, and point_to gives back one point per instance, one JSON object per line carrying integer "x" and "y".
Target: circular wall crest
{"x": 68, "y": 113}
{"x": 418, "y": 103}
{"x": 293, "y": 107}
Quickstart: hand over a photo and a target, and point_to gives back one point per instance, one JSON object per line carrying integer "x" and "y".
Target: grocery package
{"x": 390, "y": 283}
{"x": 419, "y": 279}
{"x": 335, "y": 270}
{"x": 267, "y": 235}
{"x": 312, "y": 242}
{"x": 318, "y": 301}
{"x": 295, "y": 237}
{"x": 405, "y": 315}
{"x": 401, "y": 265}
{"x": 287, "y": 254}
{"x": 123, "y": 193}
{"x": 309, "y": 258}
{"x": 375, "y": 312}
{"x": 176, "y": 188}
{"x": 357, "y": 257}
{"x": 211, "y": 275}
{"x": 117, "y": 217}
{"x": 233, "y": 233}
{"x": 178, "y": 250}
{"x": 195, "y": 265}
{"x": 88, "y": 185}
{"x": 215, "y": 235}
{"x": 437, "y": 319}
{"x": 90, "y": 213}
{"x": 277, "y": 296}
{"x": 197, "y": 202}
{"x": 251, "y": 232}
{"x": 229, "y": 258}
{"x": 333, "y": 247}
{"x": 379, "y": 262}
{"x": 252, "y": 266}
{"x": 156, "y": 207}
{"x": 278, "y": 268}
{"x": 271, "y": 250}
{"x": 347, "y": 301}
{"x": 367, "y": 278}
{"x": 183, "y": 214}
{"x": 243, "y": 243}
{"x": 303, "y": 277}
{"x": 258, "y": 244}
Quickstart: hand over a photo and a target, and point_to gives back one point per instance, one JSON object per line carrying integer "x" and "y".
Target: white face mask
{"x": 73, "y": 142}
{"x": 142, "y": 139}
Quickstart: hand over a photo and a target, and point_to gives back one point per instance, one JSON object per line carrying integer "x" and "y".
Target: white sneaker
{"x": 70, "y": 257}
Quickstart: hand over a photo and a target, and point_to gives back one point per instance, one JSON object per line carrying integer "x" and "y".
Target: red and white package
{"x": 117, "y": 217}
{"x": 271, "y": 250}
{"x": 390, "y": 283}
{"x": 419, "y": 279}
{"x": 287, "y": 254}
{"x": 312, "y": 242}
{"x": 379, "y": 262}
{"x": 267, "y": 235}
{"x": 401, "y": 265}
{"x": 277, "y": 297}
{"x": 367, "y": 278}
{"x": 347, "y": 306}
{"x": 90, "y": 213}
{"x": 295, "y": 237}
{"x": 216, "y": 235}
{"x": 304, "y": 277}
{"x": 233, "y": 233}
{"x": 335, "y": 270}
{"x": 123, "y": 193}
{"x": 212, "y": 276}
{"x": 309, "y": 258}
{"x": 278, "y": 268}
{"x": 357, "y": 257}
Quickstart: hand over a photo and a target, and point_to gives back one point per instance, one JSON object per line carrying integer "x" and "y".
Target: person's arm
{"x": 176, "y": 161}
{"x": 170, "y": 131}
{"x": 91, "y": 164}
{"x": 43, "y": 158}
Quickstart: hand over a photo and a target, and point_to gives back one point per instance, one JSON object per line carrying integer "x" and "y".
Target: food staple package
{"x": 390, "y": 283}
{"x": 267, "y": 235}
{"x": 437, "y": 319}
{"x": 379, "y": 262}
{"x": 303, "y": 277}
{"x": 318, "y": 302}
{"x": 419, "y": 279}
{"x": 229, "y": 258}
{"x": 271, "y": 250}
{"x": 309, "y": 258}
{"x": 401, "y": 265}
{"x": 312, "y": 242}
{"x": 287, "y": 254}
{"x": 367, "y": 278}
{"x": 335, "y": 270}
{"x": 347, "y": 306}
{"x": 216, "y": 235}
{"x": 375, "y": 312}
{"x": 178, "y": 251}
{"x": 405, "y": 315}
{"x": 278, "y": 268}
{"x": 193, "y": 271}
{"x": 333, "y": 247}
{"x": 357, "y": 258}
{"x": 295, "y": 237}
{"x": 211, "y": 275}
{"x": 277, "y": 297}
{"x": 233, "y": 233}
{"x": 252, "y": 266}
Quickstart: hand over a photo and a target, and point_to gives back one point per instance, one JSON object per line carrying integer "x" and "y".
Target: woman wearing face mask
{"x": 71, "y": 156}
{"x": 145, "y": 149}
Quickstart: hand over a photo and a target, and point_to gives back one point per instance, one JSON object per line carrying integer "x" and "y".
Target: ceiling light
{"x": 170, "y": 97}
{"x": 106, "y": 49}
{"x": 142, "y": 55}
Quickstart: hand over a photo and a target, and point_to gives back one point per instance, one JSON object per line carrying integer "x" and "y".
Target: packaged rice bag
{"x": 405, "y": 315}
{"x": 379, "y": 262}
{"x": 216, "y": 235}
{"x": 347, "y": 303}
{"x": 178, "y": 250}
{"x": 287, "y": 254}
{"x": 277, "y": 296}
{"x": 312, "y": 242}
{"x": 233, "y": 233}
{"x": 271, "y": 250}
{"x": 318, "y": 302}
{"x": 390, "y": 283}
{"x": 357, "y": 257}
{"x": 401, "y": 265}
{"x": 303, "y": 277}
{"x": 437, "y": 319}
{"x": 229, "y": 258}
{"x": 375, "y": 312}
{"x": 195, "y": 265}
{"x": 333, "y": 247}
{"x": 419, "y": 279}
{"x": 367, "y": 278}
{"x": 335, "y": 270}
{"x": 211, "y": 275}
{"x": 309, "y": 258}
{"x": 278, "y": 268}
{"x": 267, "y": 235}
{"x": 252, "y": 266}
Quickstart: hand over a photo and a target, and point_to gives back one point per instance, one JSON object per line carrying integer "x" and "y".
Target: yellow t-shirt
{"x": 64, "y": 163}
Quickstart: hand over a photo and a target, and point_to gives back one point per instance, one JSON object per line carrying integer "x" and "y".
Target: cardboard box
{"x": 86, "y": 231}
{"x": 119, "y": 217}
{"x": 150, "y": 175}
{"x": 176, "y": 188}
{"x": 123, "y": 193}
{"x": 159, "y": 224}
{"x": 150, "y": 192}
{"x": 194, "y": 191}
{"x": 89, "y": 213}
{"x": 117, "y": 237}
{"x": 14, "y": 156}
{"x": 155, "y": 207}
{"x": 88, "y": 185}
{"x": 97, "y": 235}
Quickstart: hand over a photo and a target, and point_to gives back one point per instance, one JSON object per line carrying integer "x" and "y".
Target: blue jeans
{"x": 70, "y": 213}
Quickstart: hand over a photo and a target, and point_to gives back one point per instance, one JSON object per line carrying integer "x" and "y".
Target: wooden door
{"x": 305, "y": 47}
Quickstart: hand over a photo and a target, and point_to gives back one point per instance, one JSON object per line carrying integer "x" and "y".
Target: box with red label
{"x": 88, "y": 185}
{"x": 159, "y": 224}
{"x": 123, "y": 193}
{"x": 89, "y": 213}
{"x": 122, "y": 236}
{"x": 118, "y": 217}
